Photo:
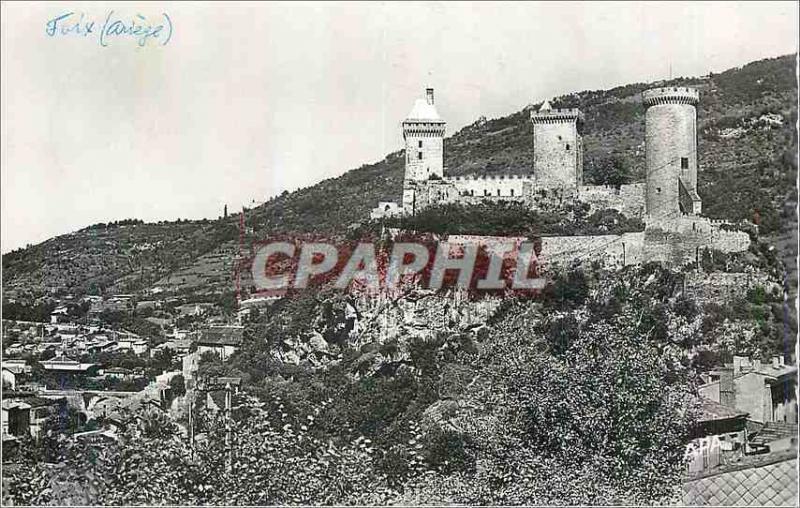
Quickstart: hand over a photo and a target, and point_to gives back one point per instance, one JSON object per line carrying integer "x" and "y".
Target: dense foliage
{"x": 516, "y": 219}
{"x": 526, "y": 410}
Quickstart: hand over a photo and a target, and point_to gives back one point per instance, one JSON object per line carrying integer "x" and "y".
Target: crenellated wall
{"x": 491, "y": 186}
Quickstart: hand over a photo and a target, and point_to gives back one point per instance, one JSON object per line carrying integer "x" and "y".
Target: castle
{"x": 669, "y": 190}
{"x": 667, "y": 201}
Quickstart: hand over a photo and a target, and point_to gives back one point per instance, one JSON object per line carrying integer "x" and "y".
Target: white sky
{"x": 248, "y": 99}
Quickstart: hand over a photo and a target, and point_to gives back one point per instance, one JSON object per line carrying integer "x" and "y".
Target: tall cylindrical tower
{"x": 671, "y": 151}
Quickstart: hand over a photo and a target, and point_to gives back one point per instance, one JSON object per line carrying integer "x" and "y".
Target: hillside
{"x": 747, "y": 171}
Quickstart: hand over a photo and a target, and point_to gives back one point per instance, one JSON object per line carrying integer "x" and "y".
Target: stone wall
{"x": 610, "y": 250}
{"x": 424, "y": 144}
{"x": 557, "y": 146}
{"x": 629, "y": 200}
{"x": 670, "y": 146}
{"x": 682, "y": 240}
{"x": 719, "y": 286}
{"x": 490, "y": 186}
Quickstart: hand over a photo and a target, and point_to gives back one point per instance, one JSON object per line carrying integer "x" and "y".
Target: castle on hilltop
{"x": 669, "y": 190}
{"x": 667, "y": 201}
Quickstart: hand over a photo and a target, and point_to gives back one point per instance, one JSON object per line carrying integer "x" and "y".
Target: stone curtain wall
{"x": 706, "y": 287}
{"x": 505, "y": 186}
{"x": 610, "y": 250}
{"x": 682, "y": 240}
{"x": 629, "y": 200}
{"x": 766, "y": 484}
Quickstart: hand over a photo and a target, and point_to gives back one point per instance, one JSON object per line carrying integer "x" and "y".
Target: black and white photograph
{"x": 399, "y": 253}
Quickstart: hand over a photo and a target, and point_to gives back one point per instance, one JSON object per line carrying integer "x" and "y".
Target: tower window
{"x": 420, "y": 143}
{"x": 485, "y": 192}
{"x": 498, "y": 192}
{"x": 684, "y": 162}
{"x": 658, "y": 190}
{"x": 472, "y": 192}
{"x": 419, "y": 155}
{"x": 512, "y": 192}
{"x": 568, "y": 147}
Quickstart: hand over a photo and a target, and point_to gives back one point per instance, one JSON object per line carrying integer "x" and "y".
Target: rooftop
{"x": 776, "y": 372}
{"x": 774, "y": 431}
{"x": 222, "y": 336}
{"x": 712, "y": 411}
{"x": 64, "y": 363}
{"x": 423, "y": 112}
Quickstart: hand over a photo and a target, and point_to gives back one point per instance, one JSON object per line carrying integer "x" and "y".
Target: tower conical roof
{"x": 546, "y": 106}
{"x": 422, "y": 111}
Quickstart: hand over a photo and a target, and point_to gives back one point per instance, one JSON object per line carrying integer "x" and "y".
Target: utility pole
{"x": 228, "y": 445}
{"x": 191, "y": 426}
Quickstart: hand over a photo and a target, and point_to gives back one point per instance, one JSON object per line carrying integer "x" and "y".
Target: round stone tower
{"x": 671, "y": 151}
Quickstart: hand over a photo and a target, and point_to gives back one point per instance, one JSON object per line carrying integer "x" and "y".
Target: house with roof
{"x": 27, "y": 414}
{"x": 766, "y": 391}
{"x": 221, "y": 340}
{"x": 62, "y": 364}
{"x": 221, "y": 383}
{"x": 139, "y": 347}
{"x": 775, "y": 437}
{"x": 59, "y": 314}
{"x": 13, "y": 370}
{"x": 719, "y": 437}
{"x": 42, "y": 410}
{"x": 14, "y": 349}
{"x": 15, "y": 418}
{"x": 118, "y": 373}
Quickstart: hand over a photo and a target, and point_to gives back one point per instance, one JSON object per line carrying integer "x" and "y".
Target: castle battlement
{"x": 488, "y": 177}
{"x": 431, "y": 124}
{"x": 557, "y": 115}
{"x": 423, "y": 130}
{"x": 671, "y": 95}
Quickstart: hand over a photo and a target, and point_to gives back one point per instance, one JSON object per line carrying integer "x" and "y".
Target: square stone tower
{"x": 423, "y": 132}
{"x": 557, "y": 147}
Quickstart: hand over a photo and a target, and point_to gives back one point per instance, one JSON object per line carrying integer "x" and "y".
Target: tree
{"x": 178, "y": 385}
{"x": 602, "y": 422}
{"x": 613, "y": 170}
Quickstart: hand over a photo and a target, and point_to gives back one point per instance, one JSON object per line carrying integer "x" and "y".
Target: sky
{"x": 246, "y": 100}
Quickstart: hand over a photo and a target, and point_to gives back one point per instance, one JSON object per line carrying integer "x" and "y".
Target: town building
{"x": 139, "y": 347}
{"x": 766, "y": 391}
{"x": 220, "y": 340}
{"x": 720, "y": 437}
{"x": 12, "y": 371}
{"x": 62, "y": 364}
